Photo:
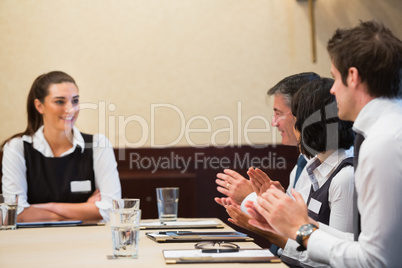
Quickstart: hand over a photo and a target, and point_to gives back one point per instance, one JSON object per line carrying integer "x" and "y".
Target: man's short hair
{"x": 288, "y": 86}
{"x": 374, "y": 51}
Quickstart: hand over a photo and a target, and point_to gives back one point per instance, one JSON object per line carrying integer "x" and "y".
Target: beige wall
{"x": 206, "y": 63}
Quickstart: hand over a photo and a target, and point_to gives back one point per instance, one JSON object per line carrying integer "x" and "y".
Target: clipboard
{"x": 180, "y": 224}
{"x": 190, "y": 236}
{"x": 250, "y": 255}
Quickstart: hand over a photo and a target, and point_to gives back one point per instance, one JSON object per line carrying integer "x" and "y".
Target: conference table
{"x": 89, "y": 246}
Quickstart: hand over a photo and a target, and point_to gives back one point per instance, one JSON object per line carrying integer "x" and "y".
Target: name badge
{"x": 81, "y": 186}
{"x": 314, "y": 206}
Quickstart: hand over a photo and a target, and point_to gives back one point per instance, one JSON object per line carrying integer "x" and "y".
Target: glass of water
{"x": 125, "y": 226}
{"x": 8, "y": 211}
{"x": 168, "y": 201}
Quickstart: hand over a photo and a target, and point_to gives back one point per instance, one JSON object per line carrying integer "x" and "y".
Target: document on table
{"x": 190, "y": 236}
{"x": 197, "y": 256}
{"x": 180, "y": 224}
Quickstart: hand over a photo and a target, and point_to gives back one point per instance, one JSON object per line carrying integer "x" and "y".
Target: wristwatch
{"x": 303, "y": 233}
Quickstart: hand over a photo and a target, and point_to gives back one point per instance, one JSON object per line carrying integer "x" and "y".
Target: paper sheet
{"x": 179, "y": 223}
{"x": 197, "y": 253}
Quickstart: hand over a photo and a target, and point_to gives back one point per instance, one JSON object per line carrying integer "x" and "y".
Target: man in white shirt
{"x": 367, "y": 67}
{"x": 237, "y": 188}
{"x": 325, "y": 143}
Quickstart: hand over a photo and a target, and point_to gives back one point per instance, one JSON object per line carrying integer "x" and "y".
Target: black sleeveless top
{"x": 323, "y": 193}
{"x": 49, "y": 178}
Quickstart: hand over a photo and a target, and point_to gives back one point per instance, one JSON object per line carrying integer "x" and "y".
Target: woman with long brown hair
{"x": 58, "y": 172}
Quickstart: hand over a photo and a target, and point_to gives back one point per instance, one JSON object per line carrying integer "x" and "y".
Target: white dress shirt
{"x": 104, "y": 164}
{"x": 340, "y": 198}
{"x": 378, "y": 181}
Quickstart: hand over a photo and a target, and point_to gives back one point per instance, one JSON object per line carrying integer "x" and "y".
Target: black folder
{"x": 59, "y": 224}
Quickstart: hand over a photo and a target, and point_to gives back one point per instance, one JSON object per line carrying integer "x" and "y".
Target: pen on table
{"x": 174, "y": 232}
{"x": 219, "y": 250}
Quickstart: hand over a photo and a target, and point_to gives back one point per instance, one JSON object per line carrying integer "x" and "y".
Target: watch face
{"x": 306, "y": 229}
{"x": 304, "y": 232}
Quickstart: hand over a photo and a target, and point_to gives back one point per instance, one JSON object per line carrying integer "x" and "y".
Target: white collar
{"x": 331, "y": 162}
{"x": 40, "y": 143}
{"x": 371, "y": 112}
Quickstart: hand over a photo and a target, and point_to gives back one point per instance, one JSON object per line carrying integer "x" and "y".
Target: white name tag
{"x": 81, "y": 186}
{"x": 314, "y": 206}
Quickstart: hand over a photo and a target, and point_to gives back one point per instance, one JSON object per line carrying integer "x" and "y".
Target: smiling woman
{"x": 59, "y": 111}
{"x": 41, "y": 164}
